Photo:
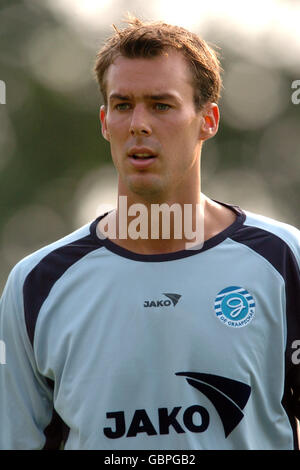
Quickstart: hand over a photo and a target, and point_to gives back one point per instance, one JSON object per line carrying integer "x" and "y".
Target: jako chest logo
{"x": 171, "y": 299}
{"x": 234, "y": 306}
{"x": 228, "y": 396}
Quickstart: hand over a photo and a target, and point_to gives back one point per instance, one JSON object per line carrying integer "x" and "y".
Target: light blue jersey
{"x": 109, "y": 349}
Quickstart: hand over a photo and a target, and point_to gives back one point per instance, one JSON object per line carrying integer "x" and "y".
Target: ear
{"x": 104, "y": 129}
{"x": 210, "y": 121}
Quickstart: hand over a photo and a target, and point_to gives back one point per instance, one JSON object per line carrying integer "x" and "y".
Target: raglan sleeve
{"x": 292, "y": 360}
{"x": 26, "y": 405}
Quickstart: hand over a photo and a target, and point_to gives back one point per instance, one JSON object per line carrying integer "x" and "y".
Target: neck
{"x": 156, "y": 227}
{"x": 180, "y": 220}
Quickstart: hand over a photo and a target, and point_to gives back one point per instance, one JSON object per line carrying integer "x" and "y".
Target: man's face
{"x": 152, "y": 125}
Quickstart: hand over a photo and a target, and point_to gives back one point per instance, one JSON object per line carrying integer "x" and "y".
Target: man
{"x": 119, "y": 342}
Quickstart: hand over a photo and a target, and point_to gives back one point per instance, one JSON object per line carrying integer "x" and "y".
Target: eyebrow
{"x": 162, "y": 96}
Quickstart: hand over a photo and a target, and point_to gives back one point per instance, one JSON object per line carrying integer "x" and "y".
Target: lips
{"x": 141, "y": 152}
{"x": 142, "y": 162}
{"x": 141, "y": 157}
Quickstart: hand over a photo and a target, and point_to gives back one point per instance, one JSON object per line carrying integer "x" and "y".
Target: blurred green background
{"x": 55, "y": 167}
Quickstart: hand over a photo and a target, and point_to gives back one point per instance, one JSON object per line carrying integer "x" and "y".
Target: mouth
{"x": 142, "y": 156}
{"x": 141, "y": 160}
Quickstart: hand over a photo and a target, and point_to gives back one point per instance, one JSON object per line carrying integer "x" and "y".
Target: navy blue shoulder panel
{"x": 280, "y": 255}
{"x": 267, "y": 244}
{"x": 43, "y": 276}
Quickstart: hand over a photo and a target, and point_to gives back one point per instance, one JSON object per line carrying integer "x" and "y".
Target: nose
{"x": 140, "y": 124}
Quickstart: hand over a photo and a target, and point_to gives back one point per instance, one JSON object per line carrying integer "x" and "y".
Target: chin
{"x": 148, "y": 188}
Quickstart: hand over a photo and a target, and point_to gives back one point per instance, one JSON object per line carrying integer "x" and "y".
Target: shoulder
{"x": 32, "y": 278}
{"x": 52, "y": 254}
{"x": 278, "y": 231}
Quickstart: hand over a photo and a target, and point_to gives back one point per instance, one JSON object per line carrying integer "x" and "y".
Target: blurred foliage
{"x": 53, "y": 136}
{"x": 50, "y": 134}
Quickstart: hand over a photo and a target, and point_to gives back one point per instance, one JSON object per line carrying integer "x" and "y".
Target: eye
{"x": 122, "y": 106}
{"x": 162, "y": 106}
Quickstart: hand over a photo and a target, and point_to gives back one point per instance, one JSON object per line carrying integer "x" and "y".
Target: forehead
{"x": 167, "y": 73}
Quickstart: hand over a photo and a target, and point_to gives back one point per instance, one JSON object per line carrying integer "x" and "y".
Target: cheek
{"x": 118, "y": 136}
{"x": 116, "y": 153}
{"x": 180, "y": 139}
{"x": 116, "y": 125}
{"x": 181, "y": 153}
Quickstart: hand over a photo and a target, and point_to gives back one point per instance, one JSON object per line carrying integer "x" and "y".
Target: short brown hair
{"x": 150, "y": 39}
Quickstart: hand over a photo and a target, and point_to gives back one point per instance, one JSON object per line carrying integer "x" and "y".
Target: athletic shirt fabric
{"x": 109, "y": 349}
